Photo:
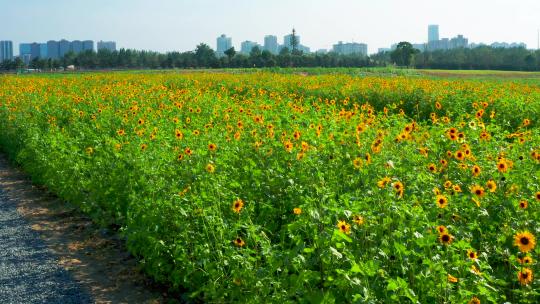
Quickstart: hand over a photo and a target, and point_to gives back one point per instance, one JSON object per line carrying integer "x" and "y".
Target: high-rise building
{"x": 35, "y": 50}
{"x": 43, "y": 54}
{"x": 433, "y": 32}
{"x": 87, "y": 45}
{"x": 25, "y": 49}
{"x": 106, "y": 45}
{"x": 271, "y": 44}
{"x": 6, "y": 50}
{"x": 76, "y": 46}
{"x": 350, "y": 48}
{"x": 53, "y": 50}
{"x": 63, "y": 48}
{"x": 223, "y": 43}
{"x": 247, "y": 46}
{"x": 25, "y": 52}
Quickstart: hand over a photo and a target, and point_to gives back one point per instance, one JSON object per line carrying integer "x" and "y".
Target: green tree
{"x": 404, "y": 53}
{"x": 18, "y": 63}
{"x": 205, "y": 56}
{"x": 230, "y": 53}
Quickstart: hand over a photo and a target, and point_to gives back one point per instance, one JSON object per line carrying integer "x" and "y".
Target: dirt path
{"x": 93, "y": 257}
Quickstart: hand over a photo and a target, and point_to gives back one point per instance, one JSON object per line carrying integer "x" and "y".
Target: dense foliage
{"x": 285, "y": 188}
{"x": 480, "y": 58}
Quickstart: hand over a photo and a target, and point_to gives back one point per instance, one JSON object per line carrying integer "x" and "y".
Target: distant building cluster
{"x": 51, "y": 49}
{"x": 436, "y": 43}
{"x": 106, "y": 45}
{"x": 503, "y": 45}
{"x": 271, "y": 45}
{"x": 350, "y": 48}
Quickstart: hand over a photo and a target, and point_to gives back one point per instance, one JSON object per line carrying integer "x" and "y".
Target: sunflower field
{"x": 265, "y": 187}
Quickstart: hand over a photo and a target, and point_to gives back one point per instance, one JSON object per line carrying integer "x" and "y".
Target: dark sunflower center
{"x": 524, "y": 241}
{"x": 478, "y": 192}
{"x": 343, "y": 227}
{"x": 524, "y": 275}
{"x": 445, "y": 238}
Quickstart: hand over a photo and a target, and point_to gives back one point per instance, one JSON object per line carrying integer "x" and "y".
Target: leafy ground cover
{"x": 268, "y": 187}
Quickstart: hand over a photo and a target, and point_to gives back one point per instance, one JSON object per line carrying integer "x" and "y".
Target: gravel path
{"x": 29, "y": 273}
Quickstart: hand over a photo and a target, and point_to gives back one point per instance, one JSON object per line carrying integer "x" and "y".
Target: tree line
{"x": 202, "y": 57}
{"x": 480, "y": 58}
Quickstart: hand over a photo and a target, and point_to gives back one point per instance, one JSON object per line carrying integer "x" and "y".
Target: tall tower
{"x": 433, "y": 32}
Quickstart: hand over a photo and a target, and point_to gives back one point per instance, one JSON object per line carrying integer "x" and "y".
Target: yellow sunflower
{"x": 471, "y": 254}
{"x": 525, "y": 241}
{"x": 491, "y": 185}
{"x": 445, "y": 238}
{"x": 210, "y": 168}
{"x": 344, "y": 227}
{"x": 441, "y": 201}
{"x": 442, "y": 229}
{"x": 358, "y": 219}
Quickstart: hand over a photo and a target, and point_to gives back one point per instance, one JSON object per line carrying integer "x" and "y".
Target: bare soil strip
{"x": 96, "y": 258}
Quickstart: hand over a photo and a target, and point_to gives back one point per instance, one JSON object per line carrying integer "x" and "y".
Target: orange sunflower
{"x": 478, "y": 190}
{"x": 238, "y": 205}
{"x": 239, "y": 242}
{"x": 525, "y": 276}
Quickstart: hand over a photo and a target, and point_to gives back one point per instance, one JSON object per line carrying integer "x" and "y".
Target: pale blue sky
{"x": 166, "y": 25}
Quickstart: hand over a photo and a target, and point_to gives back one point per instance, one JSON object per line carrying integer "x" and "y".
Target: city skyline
{"x": 166, "y": 25}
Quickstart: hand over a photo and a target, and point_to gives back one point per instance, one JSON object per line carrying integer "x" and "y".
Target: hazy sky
{"x": 167, "y": 25}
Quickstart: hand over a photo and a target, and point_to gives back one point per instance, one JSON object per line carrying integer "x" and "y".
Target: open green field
{"x": 488, "y": 74}
{"x": 310, "y": 186}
